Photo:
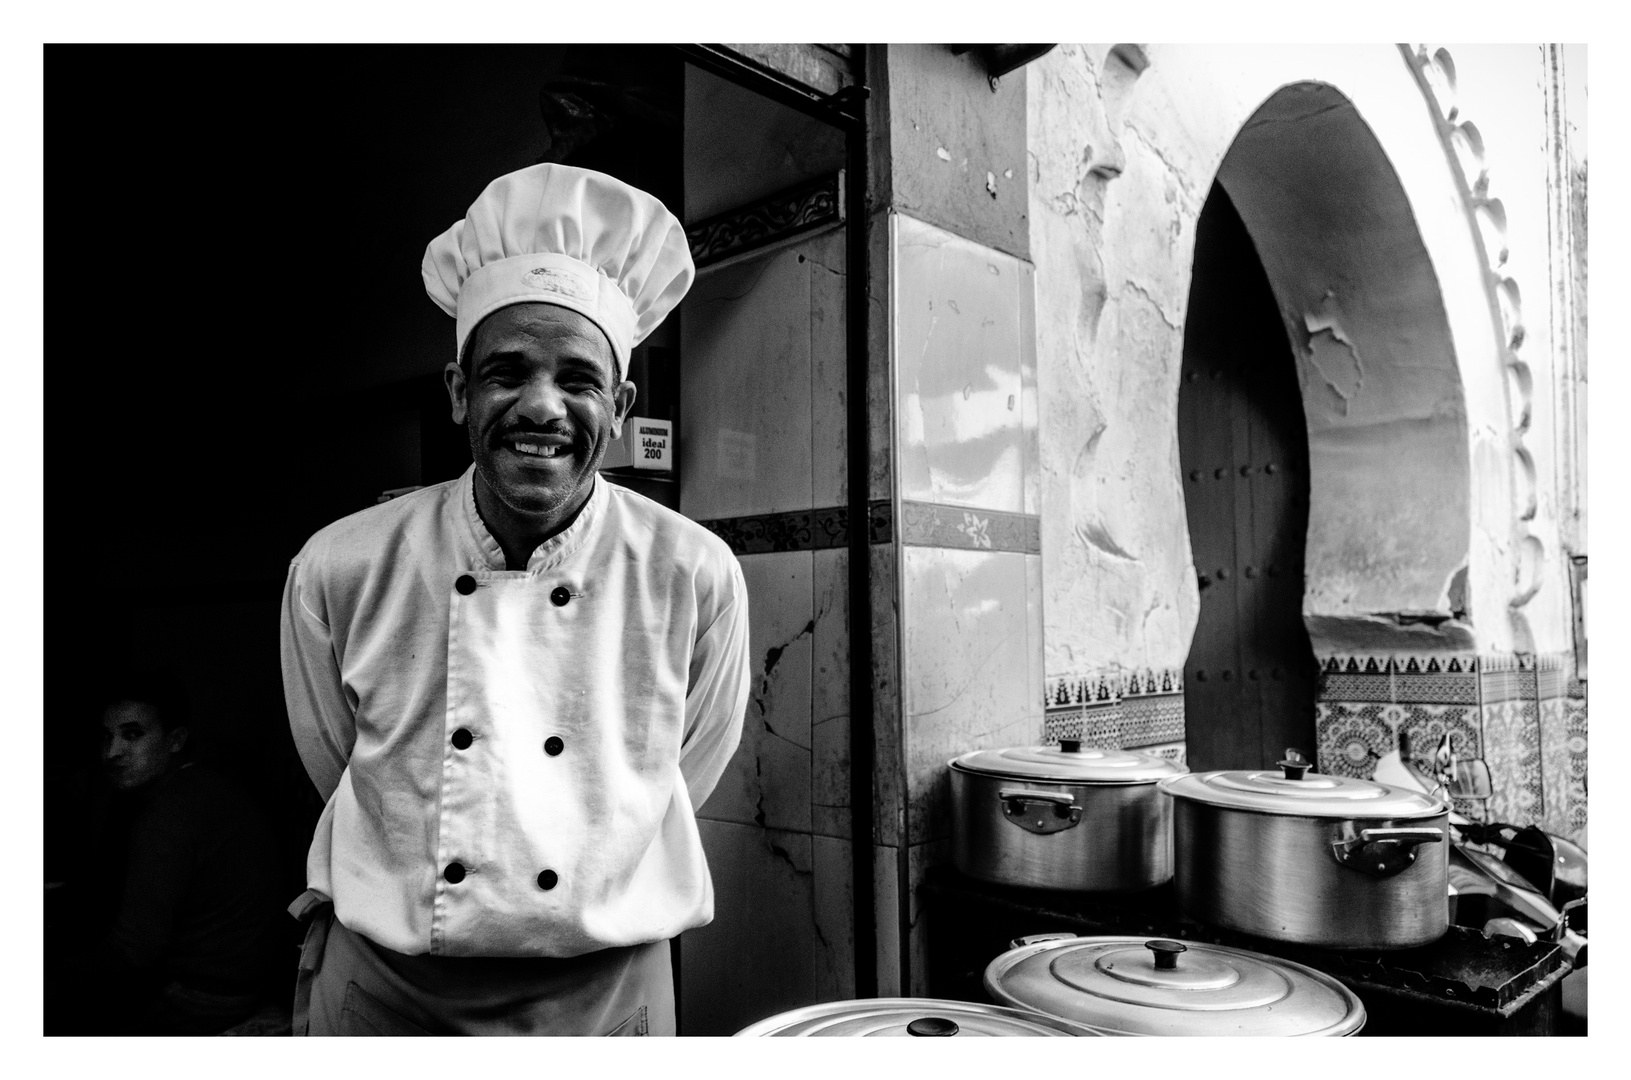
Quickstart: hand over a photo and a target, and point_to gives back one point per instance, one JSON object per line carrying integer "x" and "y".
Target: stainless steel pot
{"x": 1062, "y": 817}
{"x": 1297, "y": 856}
{"x": 913, "y": 1016}
{"x": 1137, "y": 986}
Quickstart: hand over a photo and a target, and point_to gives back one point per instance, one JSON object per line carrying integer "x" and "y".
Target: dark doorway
{"x": 1249, "y": 681}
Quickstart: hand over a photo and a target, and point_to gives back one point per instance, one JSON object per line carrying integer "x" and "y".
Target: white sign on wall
{"x": 651, "y": 444}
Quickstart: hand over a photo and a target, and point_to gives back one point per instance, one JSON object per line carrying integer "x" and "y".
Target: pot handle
{"x": 1033, "y": 939}
{"x": 1383, "y": 852}
{"x": 1040, "y": 812}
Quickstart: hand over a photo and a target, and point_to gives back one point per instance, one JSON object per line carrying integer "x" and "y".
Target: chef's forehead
{"x": 518, "y": 327}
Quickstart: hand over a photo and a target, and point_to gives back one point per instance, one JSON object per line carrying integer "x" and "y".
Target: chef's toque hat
{"x": 566, "y": 236}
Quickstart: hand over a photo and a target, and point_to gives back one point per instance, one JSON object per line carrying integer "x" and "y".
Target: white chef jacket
{"x": 625, "y": 639}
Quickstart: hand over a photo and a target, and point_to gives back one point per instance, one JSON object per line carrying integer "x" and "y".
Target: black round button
{"x": 462, "y": 739}
{"x": 454, "y": 873}
{"x": 466, "y": 584}
{"x": 559, "y": 596}
{"x": 553, "y": 745}
{"x": 547, "y": 879}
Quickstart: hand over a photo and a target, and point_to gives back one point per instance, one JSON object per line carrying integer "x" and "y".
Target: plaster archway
{"x": 1390, "y": 506}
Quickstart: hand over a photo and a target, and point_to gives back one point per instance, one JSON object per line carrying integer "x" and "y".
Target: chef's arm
{"x": 320, "y": 714}
{"x": 718, "y": 695}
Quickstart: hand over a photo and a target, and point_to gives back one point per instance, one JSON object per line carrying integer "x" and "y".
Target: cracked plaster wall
{"x": 1120, "y": 163}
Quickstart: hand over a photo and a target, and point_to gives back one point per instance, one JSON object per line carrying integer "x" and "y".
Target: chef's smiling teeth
{"x": 537, "y": 450}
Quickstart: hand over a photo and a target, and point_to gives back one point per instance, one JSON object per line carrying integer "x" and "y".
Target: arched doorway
{"x": 1389, "y": 476}
{"x": 1250, "y": 677}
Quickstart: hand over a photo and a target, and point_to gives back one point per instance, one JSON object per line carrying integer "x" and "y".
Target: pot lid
{"x": 913, "y": 1016}
{"x": 1069, "y": 763}
{"x": 1145, "y": 986}
{"x": 1292, "y": 789}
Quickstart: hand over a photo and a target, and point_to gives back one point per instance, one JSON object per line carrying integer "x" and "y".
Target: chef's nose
{"x": 541, "y": 400}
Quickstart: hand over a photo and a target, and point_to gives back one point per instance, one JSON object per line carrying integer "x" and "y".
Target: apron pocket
{"x": 634, "y": 1025}
{"x": 361, "y": 1013}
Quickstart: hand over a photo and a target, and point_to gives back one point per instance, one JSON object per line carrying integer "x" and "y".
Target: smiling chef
{"x": 514, "y": 689}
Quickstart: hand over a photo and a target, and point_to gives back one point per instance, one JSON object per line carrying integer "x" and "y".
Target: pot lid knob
{"x": 1294, "y": 764}
{"x": 1166, "y": 953}
{"x": 932, "y": 1026}
{"x": 1070, "y": 746}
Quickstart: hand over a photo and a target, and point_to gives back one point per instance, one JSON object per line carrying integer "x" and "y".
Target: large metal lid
{"x": 1292, "y": 789}
{"x": 1069, "y": 763}
{"x": 1142, "y": 986}
{"x": 913, "y": 1016}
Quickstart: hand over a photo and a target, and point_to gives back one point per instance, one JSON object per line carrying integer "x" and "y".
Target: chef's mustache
{"x": 554, "y": 428}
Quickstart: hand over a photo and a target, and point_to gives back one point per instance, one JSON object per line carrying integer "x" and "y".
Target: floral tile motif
{"x": 1554, "y": 765}
{"x": 1349, "y": 686}
{"x": 1507, "y": 677}
{"x": 925, "y": 524}
{"x": 1352, "y": 736}
{"x": 1149, "y": 719}
{"x": 1574, "y": 720}
{"x": 1512, "y": 750}
{"x": 1439, "y": 688}
{"x": 1426, "y": 726}
{"x": 1115, "y": 707}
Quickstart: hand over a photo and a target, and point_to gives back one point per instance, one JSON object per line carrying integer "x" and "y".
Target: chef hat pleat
{"x": 567, "y": 236}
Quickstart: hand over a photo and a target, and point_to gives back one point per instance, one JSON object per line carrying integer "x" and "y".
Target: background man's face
{"x": 135, "y": 748}
{"x": 541, "y": 406}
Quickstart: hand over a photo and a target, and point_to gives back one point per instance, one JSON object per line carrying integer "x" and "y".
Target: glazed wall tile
{"x": 1029, "y": 405}
{"x": 829, "y": 428}
{"x": 833, "y": 885}
{"x": 745, "y": 405}
{"x": 1512, "y": 751}
{"x": 1353, "y": 735}
{"x": 967, "y": 669}
{"x": 1121, "y": 708}
{"x": 1426, "y": 726}
{"x": 919, "y": 857}
{"x": 1036, "y": 676}
{"x": 886, "y": 911}
{"x": 771, "y": 947}
{"x": 959, "y": 385}
{"x": 1554, "y": 765}
{"x": 829, "y": 696}
{"x": 888, "y": 779}
{"x": 880, "y": 385}
{"x": 1574, "y": 717}
{"x": 768, "y": 779}
{"x": 1335, "y": 686}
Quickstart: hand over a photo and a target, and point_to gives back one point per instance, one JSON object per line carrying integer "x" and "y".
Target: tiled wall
{"x": 762, "y": 463}
{"x": 1524, "y": 716}
{"x": 969, "y": 533}
{"x": 1121, "y": 708}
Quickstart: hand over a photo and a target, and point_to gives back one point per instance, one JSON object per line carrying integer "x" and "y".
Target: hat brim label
{"x": 564, "y": 283}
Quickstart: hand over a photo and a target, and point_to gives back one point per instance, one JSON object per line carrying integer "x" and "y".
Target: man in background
{"x": 171, "y": 912}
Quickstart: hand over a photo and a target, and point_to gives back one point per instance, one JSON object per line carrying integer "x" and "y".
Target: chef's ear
{"x": 453, "y": 376}
{"x": 622, "y": 402}
{"x": 176, "y": 737}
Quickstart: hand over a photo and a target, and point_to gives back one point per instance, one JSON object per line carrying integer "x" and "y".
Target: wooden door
{"x": 1249, "y": 681}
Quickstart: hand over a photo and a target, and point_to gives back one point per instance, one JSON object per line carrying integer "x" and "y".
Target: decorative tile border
{"x": 794, "y": 210}
{"x": 935, "y": 525}
{"x": 1524, "y": 715}
{"x": 799, "y": 530}
{"x": 1117, "y": 707}
{"x": 921, "y": 525}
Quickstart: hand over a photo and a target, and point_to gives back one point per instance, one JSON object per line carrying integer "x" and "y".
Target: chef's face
{"x": 542, "y": 402}
{"x": 136, "y": 750}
